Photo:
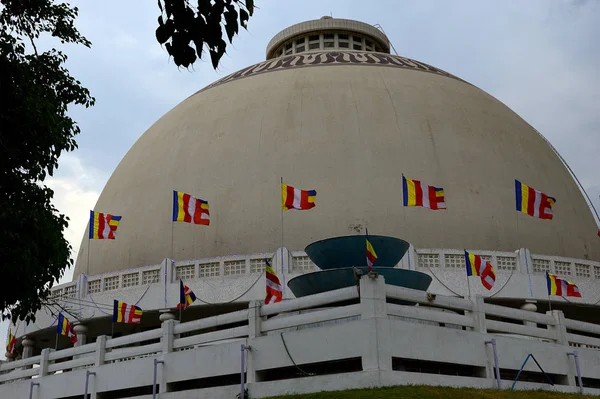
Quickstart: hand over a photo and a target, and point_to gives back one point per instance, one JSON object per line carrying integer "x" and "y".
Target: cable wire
{"x": 234, "y": 299}
{"x": 293, "y": 362}
{"x": 440, "y": 281}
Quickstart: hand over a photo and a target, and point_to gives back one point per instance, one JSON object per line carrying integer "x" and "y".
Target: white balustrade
{"x": 400, "y": 333}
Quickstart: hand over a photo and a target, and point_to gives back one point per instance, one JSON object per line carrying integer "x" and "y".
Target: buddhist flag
{"x": 371, "y": 255}
{"x": 417, "y": 193}
{"x": 11, "y": 343}
{"x": 103, "y": 225}
{"x": 533, "y": 202}
{"x": 558, "y": 286}
{"x": 294, "y": 198}
{"x": 477, "y": 266}
{"x": 65, "y": 328}
{"x": 186, "y": 296}
{"x": 124, "y": 313}
{"x": 274, "y": 291}
{"x": 190, "y": 209}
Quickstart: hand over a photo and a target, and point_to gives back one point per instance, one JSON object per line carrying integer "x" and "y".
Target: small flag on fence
{"x": 558, "y": 286}
{"x": 371, "y": 255}
{"x": 186, "y": 296}
{"x": 11, "y": 343}
{"x": 477, "y": 266}
{"x": 274, "y": 291}
{"x": 124, "y": 313}
{"x": 65, "y": 328}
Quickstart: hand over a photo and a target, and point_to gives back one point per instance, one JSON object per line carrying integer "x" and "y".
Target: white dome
{"x": 347, "y": 124}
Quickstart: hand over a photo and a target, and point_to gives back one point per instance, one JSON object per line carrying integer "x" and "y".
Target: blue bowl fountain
{"x": 337, "y": 256}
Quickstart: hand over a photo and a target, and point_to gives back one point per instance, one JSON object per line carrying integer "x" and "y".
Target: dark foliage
{"x": 36, "y": 91}
{"x": 185, "y": 29}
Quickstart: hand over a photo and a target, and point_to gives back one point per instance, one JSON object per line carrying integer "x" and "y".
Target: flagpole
{"x": 180, "y": 313}
{"x": 88, "y": 255}
{"x": 112, "y": 329}
{"x": 172, "y": 240}
{"x": 282, "y": 245}
{"x": 549, "y": 303}
{"x": 281, "y": 213}
{"x": 468, "y": 286}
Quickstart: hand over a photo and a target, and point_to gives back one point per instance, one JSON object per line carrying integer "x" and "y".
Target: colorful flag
{"x": 65, "y": 328}
{"x": 11, "y": 343}
{"x": 533, "y": 202}
{"x": 371, "y": 255}
{"x": 274, "y": 291}
{"x": 417, "y": 193}
{"x": 558, "y": 286}
{"x": 477, "y": 266}
{"x": 103, "y": 225}
{"x": 186, "y": 296}
{"x": 294, "y": 198}
{"x": 190, "y": 209}
{"x": 124, "y": 313}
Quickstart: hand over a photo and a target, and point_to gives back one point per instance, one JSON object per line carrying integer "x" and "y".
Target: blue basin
{"x": 333, "y": 279}
{"x": 348, "y": 251}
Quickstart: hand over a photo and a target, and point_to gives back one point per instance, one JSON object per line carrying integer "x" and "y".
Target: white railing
{"x": 241, "y": 265}
{"x": 473, "y": 321}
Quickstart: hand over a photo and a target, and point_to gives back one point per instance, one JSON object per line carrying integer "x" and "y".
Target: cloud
{"x": 76, "y": 190}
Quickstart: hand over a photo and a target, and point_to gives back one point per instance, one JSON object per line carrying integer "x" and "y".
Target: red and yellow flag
{"x": 477, "y": 266}
{"x": 274, "y": 291}
{"x": 371, "y": 255}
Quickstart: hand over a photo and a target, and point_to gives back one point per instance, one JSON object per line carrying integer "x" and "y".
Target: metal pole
{"x": 87, "y": 379}
{"x": 519, "y": 373}
{"x": 242, "y": 371}
{"x": 156, "y": 362}
{"x": 576, "y": 357}
{"x": 496, "y": 363}
{"x": 31, "y": 388}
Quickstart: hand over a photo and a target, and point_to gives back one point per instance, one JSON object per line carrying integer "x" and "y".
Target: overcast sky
{"x": 541, "y": 58}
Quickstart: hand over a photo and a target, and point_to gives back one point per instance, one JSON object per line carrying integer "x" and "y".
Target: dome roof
{"x": 347, "y": 124}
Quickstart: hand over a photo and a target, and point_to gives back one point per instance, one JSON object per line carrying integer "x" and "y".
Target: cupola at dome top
{"x": 328, "y": 34}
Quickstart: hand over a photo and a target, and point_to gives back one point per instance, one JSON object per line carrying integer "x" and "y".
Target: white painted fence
{"x": 299, "y": 262}
{"x": 442, "y": 340}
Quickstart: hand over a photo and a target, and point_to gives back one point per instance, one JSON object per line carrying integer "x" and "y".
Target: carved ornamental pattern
{"x": 322, "y": 58}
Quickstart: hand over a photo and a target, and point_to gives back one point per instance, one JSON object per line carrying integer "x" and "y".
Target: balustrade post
{"x": 81, "y": 332}
{"x": 560, "y": 330}
{"x": 478, "y": 314}
{"x": 254, "y": 330}
{"x": 377, "y": 350}
{"x": 168, "y": 336}
{"x": 44, "y": 362}
{"x": 28, "y": 347}
{"x": 100, "y": 350}
{"x": 530, "y": 306}
{"x": 479, "y": 325}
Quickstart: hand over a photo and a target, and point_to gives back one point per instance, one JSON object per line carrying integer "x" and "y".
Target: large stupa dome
{"x": 331, "y": 110}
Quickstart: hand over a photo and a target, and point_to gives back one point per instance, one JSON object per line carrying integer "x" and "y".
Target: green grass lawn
{"x": 428, "y": 392}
